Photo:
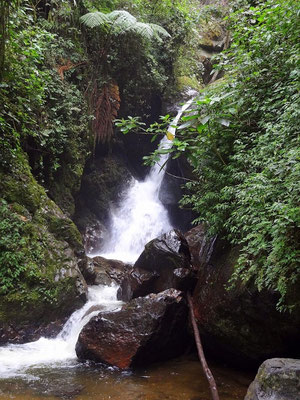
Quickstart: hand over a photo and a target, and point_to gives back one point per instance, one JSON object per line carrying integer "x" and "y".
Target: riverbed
{"x": 180, "y": 379}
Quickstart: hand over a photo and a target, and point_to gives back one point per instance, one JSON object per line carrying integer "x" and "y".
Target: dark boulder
{"x": 171, "y": 191}
{"x": 167, "y": 252}
{"x": 146, "y": 330}
{"x": 164, "y": 264}
{"x": 277, "y": 379}
{"x": 200, "y": 245}
{"x": 102, "y": 271}
{"x": 241, "y": 325}
{"x": 104, "y": 179}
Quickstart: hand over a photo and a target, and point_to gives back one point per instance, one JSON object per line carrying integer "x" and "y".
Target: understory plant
{"x": 241, "y": 135}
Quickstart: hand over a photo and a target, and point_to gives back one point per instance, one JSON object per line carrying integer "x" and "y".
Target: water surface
{"x": 180, "y": 379}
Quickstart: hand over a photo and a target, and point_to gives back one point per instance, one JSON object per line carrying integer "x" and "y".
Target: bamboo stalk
{"x": 206, "y": 370}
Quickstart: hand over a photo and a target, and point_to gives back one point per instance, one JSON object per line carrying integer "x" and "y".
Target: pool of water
{"x": 180, "y": 379}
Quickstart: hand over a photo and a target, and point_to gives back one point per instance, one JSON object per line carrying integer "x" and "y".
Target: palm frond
{"x": 95, "y": 19}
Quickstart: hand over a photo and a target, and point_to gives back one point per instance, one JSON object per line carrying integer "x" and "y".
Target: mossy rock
{"x": 240, "y": 324}
{"x": 277, "y": 379}
{"x": 39, "y": 248}
{"x": 103, "y": 180}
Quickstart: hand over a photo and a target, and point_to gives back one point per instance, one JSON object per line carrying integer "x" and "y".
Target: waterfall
{"x": 141, "y": 216}
{"x": 17, "y": 359}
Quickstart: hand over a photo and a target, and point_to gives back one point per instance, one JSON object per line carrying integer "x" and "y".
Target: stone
{"x": 104, "y": 178}
{"x": 200, "y": 245}
{"x": 94, "y": 236}
{"x": 277, "y": 379}
{"x": 240, "y": 325}
{"x": 172, "y": 190}
{"x": 145, "y": 330}
{"x": 164, "y": 264}
{"x": 167, "y": 252}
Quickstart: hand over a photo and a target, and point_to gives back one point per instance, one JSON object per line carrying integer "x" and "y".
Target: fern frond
{"x": 95, "y": 19}
{"x": 143, "y": 30}
{"x": 159, "y": 30}
{"x": 121, "y": 17}
{"x": 123, "y": 21}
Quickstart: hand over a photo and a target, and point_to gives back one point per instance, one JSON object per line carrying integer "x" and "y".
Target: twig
{"x": 206, "y": 370}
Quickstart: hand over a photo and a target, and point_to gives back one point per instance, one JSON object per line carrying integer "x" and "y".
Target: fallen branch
{"x": 207, "y": 372}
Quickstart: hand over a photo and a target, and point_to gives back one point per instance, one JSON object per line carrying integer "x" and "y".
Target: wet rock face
{"x": 241, "y": 325}
{"x": 145, "y": 330}
{"x": 200, "y": 245}
{"x": 94, "y": 236}
{"x": 277, "y": 379}
{"x": 164, "y": 264}
{"x": 102, "y": 271}
{"x": 168, "y": 252}
{"x": 104, "y": 178}
{"x": 172, "y": 190}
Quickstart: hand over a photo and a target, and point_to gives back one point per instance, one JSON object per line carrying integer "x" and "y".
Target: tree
{"x": 115, "y": 26}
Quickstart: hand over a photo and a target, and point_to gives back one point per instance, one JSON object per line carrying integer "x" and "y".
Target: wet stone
{"x": 145, "y": 330}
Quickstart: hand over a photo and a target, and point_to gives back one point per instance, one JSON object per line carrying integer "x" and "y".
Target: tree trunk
{"x": 207, "y": 372}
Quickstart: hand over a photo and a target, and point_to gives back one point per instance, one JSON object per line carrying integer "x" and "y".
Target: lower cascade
{"x": 140, "y": 218}
{"x": 17, "y": 360}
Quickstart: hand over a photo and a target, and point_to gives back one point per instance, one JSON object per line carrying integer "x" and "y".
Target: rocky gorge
{"x": 111, "y": 214}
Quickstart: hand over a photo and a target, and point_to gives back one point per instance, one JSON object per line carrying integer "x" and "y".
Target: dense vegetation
{"x": 242, "y": 138}
{"x": 65, "y": 77}
{"x": 61, "y": 85}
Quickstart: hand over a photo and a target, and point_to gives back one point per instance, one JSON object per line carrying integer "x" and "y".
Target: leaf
{"x": 186, "y": 124}
{"x": 205, "y": 119}
{"x": 95, "y": 19}
{"x": 200, "y": 128}
{"x": 224, "y": 121}
{"x": 153, "y": 138}
{"x": 170, "y": 136}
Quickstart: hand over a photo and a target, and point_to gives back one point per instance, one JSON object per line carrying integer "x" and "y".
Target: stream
{"x": 49, "y": 369}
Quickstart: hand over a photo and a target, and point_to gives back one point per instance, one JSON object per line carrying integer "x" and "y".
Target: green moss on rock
{"x": 39, "y": 276}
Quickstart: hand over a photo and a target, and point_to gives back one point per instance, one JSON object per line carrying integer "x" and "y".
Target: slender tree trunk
{"x": 207, "y": 372}
{"x": 4, "y": 12}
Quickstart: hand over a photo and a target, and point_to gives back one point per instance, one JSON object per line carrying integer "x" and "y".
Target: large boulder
{"x": 146, "y": 330}
{"x": 200, "y": 244}
{"x": 241, "y": 324}
{"x": 277, "y": 379}
{"x": 40, "y": 254}
{"x": 103, "y": 271}
{"x": 164, "y": 264}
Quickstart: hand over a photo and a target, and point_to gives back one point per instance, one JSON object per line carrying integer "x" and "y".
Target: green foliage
{"x": 41, "y": 113}
{"x": 21, "y": 253}
{"x": 242, "y": 138}
{"x": 244, "y": 146}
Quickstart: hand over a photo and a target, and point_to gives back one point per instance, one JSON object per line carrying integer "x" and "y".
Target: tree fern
{"x": 121, "y": 22}
{"x": 94, "y": 19}
{"x": 106, "y": 101}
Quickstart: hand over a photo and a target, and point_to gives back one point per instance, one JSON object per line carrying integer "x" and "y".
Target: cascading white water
{"x": 141, "y": 216}
{"x": 16, "y": 360}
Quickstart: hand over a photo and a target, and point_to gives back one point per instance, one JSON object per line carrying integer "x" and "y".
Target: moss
{"x": 65, "y": 229}
{"x": 41, "y": 303}
{"x": 23, "y": 189}
{"x": 37, "y": 241}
